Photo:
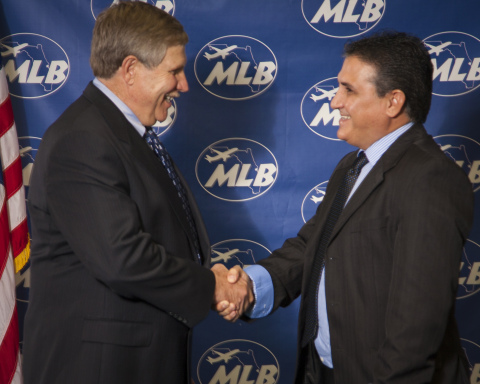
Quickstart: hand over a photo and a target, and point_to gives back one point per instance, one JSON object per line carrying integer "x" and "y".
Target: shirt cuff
{"x": 262, "y": 289}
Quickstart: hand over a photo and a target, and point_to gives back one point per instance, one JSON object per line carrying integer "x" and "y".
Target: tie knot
{"x": 152, "y": 139}
{"x": 360, "y": 161}
{"x": 149, "y": 132}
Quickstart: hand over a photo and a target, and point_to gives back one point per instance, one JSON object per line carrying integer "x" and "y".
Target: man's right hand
{"x": 233, "y": 292}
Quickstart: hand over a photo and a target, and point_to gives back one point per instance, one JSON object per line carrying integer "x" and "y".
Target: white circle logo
{"x": 35, "y": 65}
{"x": 343, "y": 18}
{"x": 312, "y": 200}
{"x": 236, "y": 169}
{"x": 238, "y": 252}
{"x": 235, "y": 67}
{"x": 316, "y": 112}
{"x": 472, "y": 351}
{"x": 238, "y": 361}
{"x": 469, "y": 280}
{"x": 456, "y": 62}
{"x": 465, "y": 152}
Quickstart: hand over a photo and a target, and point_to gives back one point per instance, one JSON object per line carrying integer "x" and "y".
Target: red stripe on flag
{"x": 4, "y": 237}
{"x": 9, "y": 350}
{"x": 19, "y": 238}
{"x": 12, "y": 177}
{"x": 6, "y": 116}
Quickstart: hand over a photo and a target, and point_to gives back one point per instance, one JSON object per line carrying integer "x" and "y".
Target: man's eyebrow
{"x": 178, "y": 68}
{"x": 345, "y": 84}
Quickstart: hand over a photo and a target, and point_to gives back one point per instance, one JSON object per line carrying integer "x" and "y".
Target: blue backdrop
{"x": 255, "y": 136}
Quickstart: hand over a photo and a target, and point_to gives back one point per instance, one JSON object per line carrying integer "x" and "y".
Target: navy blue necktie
{"x": 162, "y": 154}
{"x": 311, "y": 294}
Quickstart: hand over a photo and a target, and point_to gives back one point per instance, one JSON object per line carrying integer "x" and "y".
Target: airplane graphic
{"x": 325, "y": 94}
{"x": 13, "y": 50}
{"x": 24, "y": 151}
{"x": 221, "y": 155}
{"x": 437, "y": 49}
{"x": 219, "y": 52}
{"x": 222, "y": 356}
{"x": 445, "y": 147}
{"x": 224, "y": 256}
{"x": 318, "y": 199}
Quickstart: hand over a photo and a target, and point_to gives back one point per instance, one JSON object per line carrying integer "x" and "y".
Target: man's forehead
{"x": 354, "y": 67}
{"x": 175, "y": 55}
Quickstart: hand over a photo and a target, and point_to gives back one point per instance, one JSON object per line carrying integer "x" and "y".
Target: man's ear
{"x": 395, "y": 102}
{"x": 129, "y": 68}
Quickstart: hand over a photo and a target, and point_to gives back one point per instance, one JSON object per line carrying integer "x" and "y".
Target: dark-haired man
{"x": 377, "y": 266}
{"x": 120, "y": 254}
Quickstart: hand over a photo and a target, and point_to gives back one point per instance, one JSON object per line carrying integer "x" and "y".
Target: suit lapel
{"x": 333, "y": 185}
{"x": 201, "y": 230}
{"x": 376, "y": 176}
{"x": 138, "y": 148}
{"x": 322, "y": 213}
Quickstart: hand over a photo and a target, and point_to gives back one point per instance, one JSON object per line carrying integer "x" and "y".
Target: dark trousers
{"x": 315, "y": 371}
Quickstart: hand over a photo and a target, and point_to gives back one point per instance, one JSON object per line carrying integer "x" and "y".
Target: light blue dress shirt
{"x": 127, "y": 112}
{"x": 262, "y": 282}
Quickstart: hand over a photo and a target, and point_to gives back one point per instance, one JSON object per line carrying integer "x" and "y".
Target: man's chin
{"x": 161, "y": 115}
{"x": 341, "y": 135}
{"x": 161, "y": 119}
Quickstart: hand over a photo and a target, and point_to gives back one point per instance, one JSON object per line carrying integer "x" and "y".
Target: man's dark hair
{"x": 402, "y": 62}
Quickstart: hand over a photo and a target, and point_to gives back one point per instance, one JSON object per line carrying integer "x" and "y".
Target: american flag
{"x": 14, "y": 240}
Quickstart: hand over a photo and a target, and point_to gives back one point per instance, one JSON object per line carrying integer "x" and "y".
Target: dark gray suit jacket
{"x": 115, "y": 286}
{"x": 392, "y": 268}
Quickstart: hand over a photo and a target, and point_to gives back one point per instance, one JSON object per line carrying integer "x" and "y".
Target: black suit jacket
{"x": 392, "y": 268}
{"x": 115, "y": 286}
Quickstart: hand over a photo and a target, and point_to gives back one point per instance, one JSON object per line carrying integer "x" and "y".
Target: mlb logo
{"x": 238, "y": 252}
{"x": 456, "y": 63}
{"x": 238, "y": 361}
{"x": 312, "y": 200}
{"x": 235, "y": 67}
{"x": 343, "y": 18}
{"x": 469, "y": 279}
{"x": 35, "y": 65}
{"x": 472, "y": 351}
{"x": 464, "y": 151}
{"x": 236, "y": 169}
{"x": 316, "y": 112}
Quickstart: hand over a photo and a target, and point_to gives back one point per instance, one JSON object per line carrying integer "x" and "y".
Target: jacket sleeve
{"x": 287, "y": 264}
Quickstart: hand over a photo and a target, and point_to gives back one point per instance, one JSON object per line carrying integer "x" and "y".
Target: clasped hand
{"x": 233, "y": 292}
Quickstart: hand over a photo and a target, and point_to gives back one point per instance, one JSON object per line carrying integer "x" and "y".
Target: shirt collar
{"x": 377, "y": 149}
{"x": 126, "y": 111}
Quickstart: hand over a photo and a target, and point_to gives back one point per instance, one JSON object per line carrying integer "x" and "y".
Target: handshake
{"x": 233, "y": 292}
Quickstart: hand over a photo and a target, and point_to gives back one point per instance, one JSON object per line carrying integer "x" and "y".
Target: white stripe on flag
{"x": 9, "y": 147}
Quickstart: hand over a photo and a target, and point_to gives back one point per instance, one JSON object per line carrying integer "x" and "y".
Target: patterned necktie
{"x": 162, "y": 154}
{"x": 311, "y": 294}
